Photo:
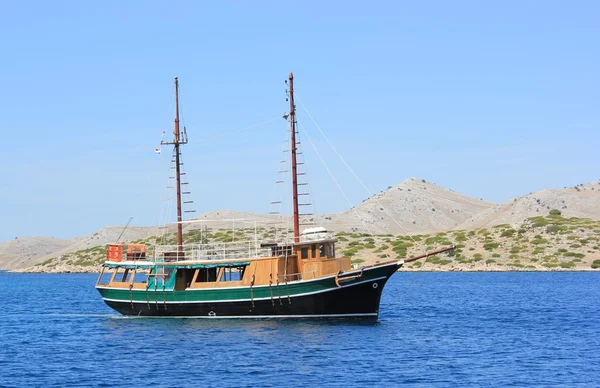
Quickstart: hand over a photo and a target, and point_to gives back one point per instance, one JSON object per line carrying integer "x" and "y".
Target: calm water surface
{"x": 435, "y": 329}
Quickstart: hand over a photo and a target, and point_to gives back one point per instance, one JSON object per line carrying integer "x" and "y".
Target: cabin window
{"x": 183, "y": 278}
{"x": 125, "y": 277}
{"x": 232, "y": 274}
{"x": 281, "y": 251}
{"x": 141, "y": 277}
{"x": 321, "y": 250}
{"x": 105, "y": 278}
{"x": 304, "y": 253}
{"x": 207, "y": 275}
{"x": 313, "y": 251}
{"x": 166, "y": 271}
{"x": 332, "y": 251}
{"x": 160, "y": 277}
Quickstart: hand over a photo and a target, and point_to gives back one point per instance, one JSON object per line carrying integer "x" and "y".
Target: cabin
{"x": 130, "y": 266}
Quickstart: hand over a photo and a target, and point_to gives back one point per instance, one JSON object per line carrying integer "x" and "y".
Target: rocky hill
{"x": 413, "y": 206}
{"x": 581, "y": 201}
{"x": 227, "y": 219}
{"x": 23, "y": 252}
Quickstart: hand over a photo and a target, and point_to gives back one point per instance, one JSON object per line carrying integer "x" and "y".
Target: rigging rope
{"x": 170, "y": 191}
{"x": 413, "y": 281}
{"x": 278, "y": 190}
{"x": 330, "y": 173}
{"x": 409, "y": 295}
{"x": 153, "y": 189}
{"x": 152, "y": 145}
{"x": 169, "y": 199}
{"x": 350, "y": 169}
{"x": 305, "y": 174}
{"x": 217, "y": 136}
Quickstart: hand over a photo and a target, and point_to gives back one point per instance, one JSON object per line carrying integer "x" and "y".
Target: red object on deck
{"x": 136, "y": 248}
{"x": 114, "y": 253}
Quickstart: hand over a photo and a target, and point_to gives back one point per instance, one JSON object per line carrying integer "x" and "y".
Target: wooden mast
{"x": 177, "y": 168}
{"x": 294, "y": 166}
{"x": 177, "y": 141}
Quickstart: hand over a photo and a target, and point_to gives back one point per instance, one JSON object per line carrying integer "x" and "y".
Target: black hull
{"x": 360, "y": 300}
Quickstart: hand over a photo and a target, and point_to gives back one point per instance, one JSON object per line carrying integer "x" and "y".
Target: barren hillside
{"x": 27, "y": 251}
{"x": 582, "y": 201}
{"x": 418, "y": 207}
{"x": 226, "y": 218}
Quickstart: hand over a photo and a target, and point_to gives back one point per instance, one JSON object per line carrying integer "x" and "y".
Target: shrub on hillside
{"x": 538, "y": 241}
{"x": 574, "y": 254}
{"x": 508, "y": 233}
{"x": 491, "y": 246}
{"x": 539, "y": 221}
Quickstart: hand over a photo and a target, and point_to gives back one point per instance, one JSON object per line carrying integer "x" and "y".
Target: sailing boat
{"x": 300, "y": 278}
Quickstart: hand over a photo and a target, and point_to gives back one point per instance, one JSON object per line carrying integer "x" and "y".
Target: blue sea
{"x": 434, "y": 330}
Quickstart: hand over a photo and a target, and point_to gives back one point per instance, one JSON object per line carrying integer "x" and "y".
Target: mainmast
{"x": 294, "y": 166}
{"x": 177, "y": 141}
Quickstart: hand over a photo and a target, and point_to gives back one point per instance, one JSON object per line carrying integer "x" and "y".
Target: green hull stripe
{"x": 236, "y": 293}
{"x": 275, "y": 296}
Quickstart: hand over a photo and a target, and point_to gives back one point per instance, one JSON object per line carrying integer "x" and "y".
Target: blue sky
{"x": 490, "y": 99}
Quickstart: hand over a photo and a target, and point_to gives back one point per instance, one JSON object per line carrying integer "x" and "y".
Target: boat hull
{"x": 353, "y": 297}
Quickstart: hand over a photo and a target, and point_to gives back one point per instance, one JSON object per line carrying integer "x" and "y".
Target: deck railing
{"x": 210, "y": 251}
{"x": 214, "y": 251}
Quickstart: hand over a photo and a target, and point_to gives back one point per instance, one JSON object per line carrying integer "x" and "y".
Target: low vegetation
{"x": 550, "y": 242}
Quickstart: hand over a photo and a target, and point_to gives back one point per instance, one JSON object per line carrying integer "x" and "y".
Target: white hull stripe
{"x": 160, "y": 293}
{"x": 251, "y": 316}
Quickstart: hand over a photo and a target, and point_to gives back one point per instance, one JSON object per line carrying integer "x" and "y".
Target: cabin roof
{"x": 301, "y": 243}
{"x": 139, "y": 264}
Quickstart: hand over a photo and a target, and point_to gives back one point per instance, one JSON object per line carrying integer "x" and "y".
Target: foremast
{"x": 178, "y": 140}
{"x": 294, "y": 164}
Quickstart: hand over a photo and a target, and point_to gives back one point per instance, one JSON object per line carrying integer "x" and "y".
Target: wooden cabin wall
{"x": 264, "y": 271}
{"x": 316, "y": 268}
{"x": 344, "y": 264}
{"x": 320, "y": 267}
{"x": 316, "y": 261}
{"x": 292, "y": 268}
